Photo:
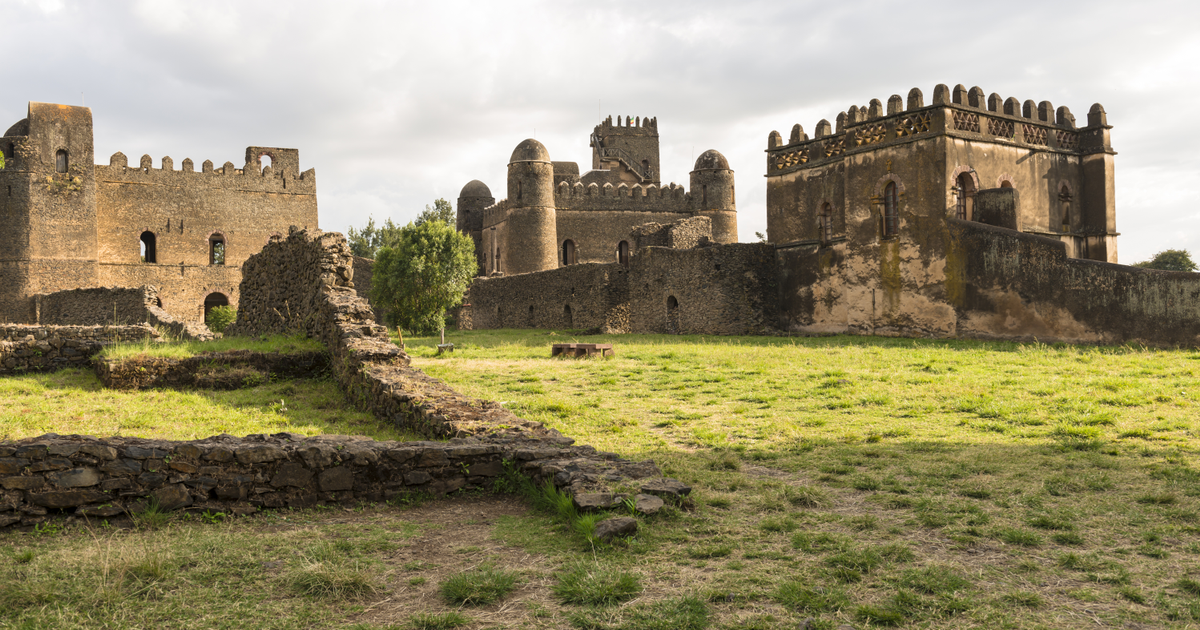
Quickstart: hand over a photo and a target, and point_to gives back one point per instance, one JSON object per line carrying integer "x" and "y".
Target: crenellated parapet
{"x": 623, "y": 197}
{"x": 957, "y": 112}
{"x": 281, "y": 176}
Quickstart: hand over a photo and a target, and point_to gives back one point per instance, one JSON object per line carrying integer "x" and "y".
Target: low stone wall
{"x": 234, "y": 369}
{"x": 34, "y": 348}
{"x": 51, "y": 475}
{"x": 113, "y": 306}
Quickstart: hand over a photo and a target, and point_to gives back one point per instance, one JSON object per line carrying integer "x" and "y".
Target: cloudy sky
{"x": 398, "y": 103}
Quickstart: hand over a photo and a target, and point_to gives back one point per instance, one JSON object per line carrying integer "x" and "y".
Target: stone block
{"x": 59, "y": 499}
{"x": 259, "y": 454}
{"x": 647, "y": 504}
{"x": 292, "y": 474}
{"x": 109, "y": 485}
{"x": 596, "y": 501}
{"x": 417, "y": 477}
{"x": 172, "y": 497}
{"x": 152, "y": 480}
{"x": 611, "y": 528}
{"x": 188, "y": 451}
{"x": 12, "y": 465}
{"x": 99, "y": 451}
{"x": 122, "y": 467}
{"x": 433, "y": 457}
{"x": 219, "y": 455}
{"x": 8, "y": 518}
{"x": 335, "y": 479}
{"x": 487, "y": 469}
{"x": 52, "y": 463}
{"x": 667, "y": 488}
{"x": 75, "y": 478}
{"x": 138, "y": 452}
{"x": 103, "y": 510}
{"x": 22, "y": 483}
{"x": 183, "y": 467}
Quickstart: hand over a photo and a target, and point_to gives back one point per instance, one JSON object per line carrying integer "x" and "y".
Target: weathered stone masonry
{"x": 41, "y": 348}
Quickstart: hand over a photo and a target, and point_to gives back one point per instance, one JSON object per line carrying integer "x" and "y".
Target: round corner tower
{"x": 472, "y": 201}
{"x": 532, "y": 225}
{"x": 713, "y": 195}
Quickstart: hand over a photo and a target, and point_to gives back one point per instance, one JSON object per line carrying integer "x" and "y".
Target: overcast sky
{"x": 398, "y": 103}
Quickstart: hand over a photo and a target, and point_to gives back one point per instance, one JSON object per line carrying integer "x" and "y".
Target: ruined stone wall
{"x": 1009, "y": 285}
{"x": 364, "y": 270}
{"x": 26, "y": 348}
{"x": 113, "y": 306}
{"x": 986, "y": 282}
{"x": 584, "y": 296}
{"x": 184, "y": 209}
{"x": 682, "y": 234}
{"x": 719, "y": 290}
{"x": 52, "y": 475}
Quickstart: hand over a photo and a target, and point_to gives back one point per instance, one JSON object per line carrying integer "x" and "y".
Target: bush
{"x": 220, "y": 317}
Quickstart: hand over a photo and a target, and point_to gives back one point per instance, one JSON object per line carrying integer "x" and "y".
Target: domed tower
{"x": 475, "y": 196}
{"x": 532, "y": 227}
{"x": 713, "y": 195}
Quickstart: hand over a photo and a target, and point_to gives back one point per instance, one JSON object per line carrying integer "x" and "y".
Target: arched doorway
{"x": 623, "y": 252}
{"x": 966, "y": 196}
{"x": 672, "y": 315}
{"x": 569, "y": 256}
{"x": 213, "y": 300}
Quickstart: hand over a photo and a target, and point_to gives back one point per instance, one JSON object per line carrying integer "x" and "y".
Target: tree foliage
{"x": 367, "y": 241}
{"x": 424, "y": 273}
{"x": 440, "y": 211}
{"x": 1169, "y": 260}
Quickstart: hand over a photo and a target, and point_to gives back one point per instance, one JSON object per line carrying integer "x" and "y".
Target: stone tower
{"x": 713, "y": 195}
{"x": 531, "y": 218}
{"x": 48, "y": 182}
{"x": 629, "y": 148}
{"x": 473, "y": 199}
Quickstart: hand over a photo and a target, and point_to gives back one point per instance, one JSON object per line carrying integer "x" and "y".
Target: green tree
{"x": 1169, "y": 260}
{"x": 367, "y": 241}
{"x": 440, "y": 211}
{"x": 424, "y": 273}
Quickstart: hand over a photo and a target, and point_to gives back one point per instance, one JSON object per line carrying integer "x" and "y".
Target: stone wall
{"x": 233, "y": 369}
{"x": 53, "y": 475}
{"x": 42, "y": 348}
{"x": 586, "y": 296}
{"x": 1010, "y": 285}
{"x": 113, "y": 306}
{"x": 716, "y": 290}
{"x": 683, "y": 234}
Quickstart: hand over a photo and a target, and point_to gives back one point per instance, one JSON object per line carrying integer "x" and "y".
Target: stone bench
{"x": 581, "y": 349}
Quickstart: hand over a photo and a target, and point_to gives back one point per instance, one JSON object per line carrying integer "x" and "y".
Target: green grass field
{"x": 864, "y": 482}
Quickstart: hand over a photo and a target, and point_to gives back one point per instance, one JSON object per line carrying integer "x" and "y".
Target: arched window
{"x": 1006, "y": 184}
{"x": 496, "y": 260}
{"x": 1064, "y": 202}
{"x": 149, "y": 251}
{"x": 704, "y": 196}
{"x": 623, "y": 252}
{"x": 567, "y": 316}
{"x": 213, "y": 300}
{"x": 825, "y": 224}
{"x": 60, "y": 161}
{"x": 569, "y": 255}
{"x": 891, "y": 212}
{"x": 216, "y": 249}
{"x": 518, "y": 189}
{"x": 965, "y": 189}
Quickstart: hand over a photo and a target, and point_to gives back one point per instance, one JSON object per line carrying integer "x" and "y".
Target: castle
{"x": 71, "y": 223}
{"x": 554, "y": 216}
{"x": 974, "y": 216}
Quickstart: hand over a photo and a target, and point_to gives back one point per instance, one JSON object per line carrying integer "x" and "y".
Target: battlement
{"x": 628, "y": 125}
{"x": 253, "y": 176}
{"x": 580, "y": 197}
{"x": 957, "y": 112}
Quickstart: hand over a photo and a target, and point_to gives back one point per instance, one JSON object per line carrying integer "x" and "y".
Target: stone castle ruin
{"x": 71, "y": 223}
{"x": 972, "y": 217}
{"x": 554, "y": 216}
